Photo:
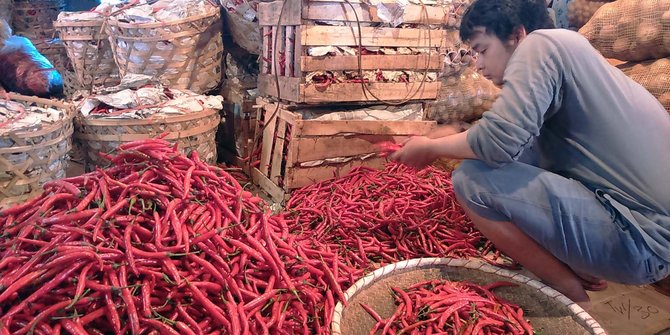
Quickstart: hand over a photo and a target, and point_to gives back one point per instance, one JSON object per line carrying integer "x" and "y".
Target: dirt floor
{"x": 620, "y": 309}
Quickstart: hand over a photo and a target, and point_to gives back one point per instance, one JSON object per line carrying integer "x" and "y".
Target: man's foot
{"x": 591, "y": 283}
{"x": 662, "y": 286}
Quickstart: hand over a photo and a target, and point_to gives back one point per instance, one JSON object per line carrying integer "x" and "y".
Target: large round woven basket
{"x": 28, "y": 159}
{"x": 194, "y": 131}
{"x": 183, "y": 54}
{"x": 34, "y": 18}
{"x": 7, "y": 10}
{"x": 546, "y": 308}
{"x": 88, "y": 48}
{"x": 54, "y": 50}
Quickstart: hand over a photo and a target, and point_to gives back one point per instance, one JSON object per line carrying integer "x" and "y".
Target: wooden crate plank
{"x": 288, "y": 116}
{"x": 372, "y": 62}
{"x": 289, "y": 87}
{"x": 289, "y": 49}
{"x": 278, "y": 151}
{"x": 276, "y": 192}
{"x": 274, "y": 47}
{"x": 322, "y": 147}
{"x": 306, "y": 176}
{"x": 361, "y": 127}
{"x": 297, "y": 50}
{"x": 341, "y": 11}
{"x": 265, "y": 67}
{"x": 268, "y": 140}
{"x": 372, "y": 36}
{"x": 354, "y": 92}
{"x": 269, "y": 13}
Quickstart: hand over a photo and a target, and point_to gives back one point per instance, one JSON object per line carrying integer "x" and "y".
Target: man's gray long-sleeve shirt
{"x": 589, "y": 122}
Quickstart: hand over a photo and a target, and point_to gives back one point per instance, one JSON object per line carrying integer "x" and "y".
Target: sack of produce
{"x": 654, "y": 76}
{"x": 25, "y": 70}
{"x": 581, "y": 11}
{"x": 462, "y": 97}
{"x": 631, "y": 30}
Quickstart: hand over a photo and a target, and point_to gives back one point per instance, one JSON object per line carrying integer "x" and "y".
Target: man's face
{"x": 492, "y": 54}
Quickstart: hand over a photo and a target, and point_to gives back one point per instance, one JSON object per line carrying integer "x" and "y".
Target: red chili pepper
{"x": 73, "y": 328}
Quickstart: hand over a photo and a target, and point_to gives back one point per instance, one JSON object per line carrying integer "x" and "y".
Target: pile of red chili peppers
{"x": 444, "y": 307}
{"x": 160, "y": 244}
{"x": 374, "y": 217}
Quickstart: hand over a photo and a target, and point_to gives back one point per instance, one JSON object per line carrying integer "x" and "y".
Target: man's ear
{"x": 518, "y": 34}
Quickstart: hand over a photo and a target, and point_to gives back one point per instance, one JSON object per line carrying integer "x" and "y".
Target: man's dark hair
{"x": 501, "y": 17}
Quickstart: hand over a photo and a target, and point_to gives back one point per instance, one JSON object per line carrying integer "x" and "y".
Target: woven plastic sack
{"x": 654, "y": 76}
{"x": 581, "y": 11}
{"x": 463, "y": 97}
{"x": 631, "y": 30}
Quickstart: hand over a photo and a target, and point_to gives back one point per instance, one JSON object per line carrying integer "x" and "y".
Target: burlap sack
{"x": 654, "y": 76}
{"x": 581, "y": 11}
{"x": 463, "y": 97}
{"x": 631, "y": 30}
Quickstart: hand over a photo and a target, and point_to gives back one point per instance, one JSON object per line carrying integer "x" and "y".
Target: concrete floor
{"x": 631, "y": 310}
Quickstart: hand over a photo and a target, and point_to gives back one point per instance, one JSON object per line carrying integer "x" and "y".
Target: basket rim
{"x": 170, "y": 135}
{"x": 66, "y": 107}
{"x": 213, "y": 11}
{"x": 169, "y": 119}
{"x": 583, "y": 317}
{"x": 58, "y": 125}
{"x": 75, "y": 24}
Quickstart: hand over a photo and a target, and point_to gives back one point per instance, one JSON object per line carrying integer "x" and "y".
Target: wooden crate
{"x": 289, "y": 142}
{"x": 295, "y": 31}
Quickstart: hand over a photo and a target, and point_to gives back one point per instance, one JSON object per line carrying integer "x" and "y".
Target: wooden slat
{"x": 341, "y": 11}
{"x": 322, "y": 147}
{"x": 289, "y": 88}
{"x": 268, "y": 140}
{"x": 274, "y": 47}
{"x": 278, "y": 151}
{"x": 348, "y": 92}
{"x": 305, "y": 176}
{"x": 297, "y": 50}
{"x": 268, "y": 13}
{"x": 265, "y": 67}
{"x": 360, "y": 127}
{"x": 289, "y": 48}
{"x": 388, "y": 37}
{"x": 276, "y": 192}
{"x": 372, "y": 62}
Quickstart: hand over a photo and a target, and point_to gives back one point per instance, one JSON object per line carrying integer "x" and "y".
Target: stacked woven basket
{"x": 183, "y": 53}
{"x": 31, "y": 157}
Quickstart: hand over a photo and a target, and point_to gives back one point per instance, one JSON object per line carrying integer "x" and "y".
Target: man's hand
{"x": 418, "y": 152}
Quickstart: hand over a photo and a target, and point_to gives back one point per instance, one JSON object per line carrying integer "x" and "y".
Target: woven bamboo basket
{"x": 546, "y": 308}
{"x": 89, "y": 50}
{"x": 195, "y": 131}
{"x": 34, "y": 18}
{"x": 6, "y": 10}
{"x": 183, "y": 54}
{"x": 54, "y": 51}
{"x": 29, "y": 159}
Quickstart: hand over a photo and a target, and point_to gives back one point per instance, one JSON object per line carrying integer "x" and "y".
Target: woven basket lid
{"x": 547, "y": 309}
